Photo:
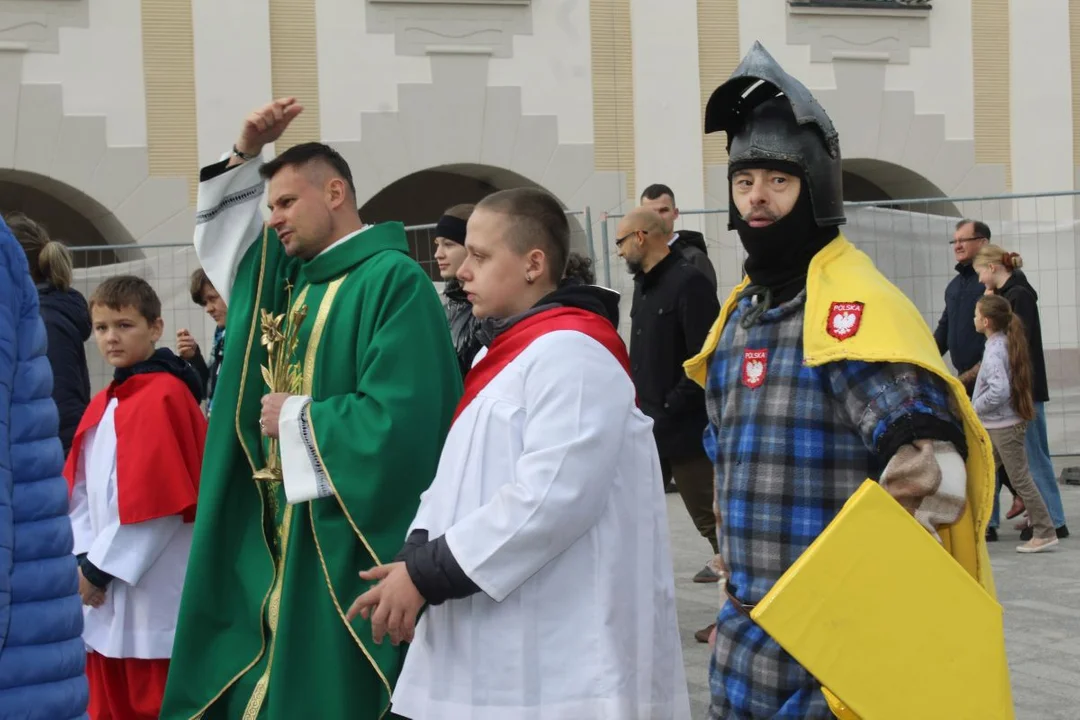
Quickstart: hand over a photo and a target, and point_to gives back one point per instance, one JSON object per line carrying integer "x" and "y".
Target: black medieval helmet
{"x": 770, "y": 116}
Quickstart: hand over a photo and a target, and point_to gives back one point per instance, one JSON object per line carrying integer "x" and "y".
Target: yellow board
{"x": 869, "y": 609}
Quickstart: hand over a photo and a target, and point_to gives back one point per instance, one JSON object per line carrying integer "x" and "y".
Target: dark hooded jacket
{"x": 464, "y": 326}
{"x": 674, "y": 308}
{"x": 1025, "y": 303}
{"x": 432, "y": 567}
{"x": 67, "y": 324}
{"x": 691, "y": 245}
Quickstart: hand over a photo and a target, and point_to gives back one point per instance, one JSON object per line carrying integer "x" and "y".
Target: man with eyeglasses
{"x": 674, "y": 306}
{"x": 955, "y": 334}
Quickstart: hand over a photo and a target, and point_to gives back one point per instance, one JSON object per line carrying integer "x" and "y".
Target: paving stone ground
{"x": 1040, "y": 594}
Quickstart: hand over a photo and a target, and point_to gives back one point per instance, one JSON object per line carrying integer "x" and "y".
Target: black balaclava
{"x": 779, "y": 255}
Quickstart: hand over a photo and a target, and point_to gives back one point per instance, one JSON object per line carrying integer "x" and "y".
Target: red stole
{"x": 160, "y": 435}
{"x": 513, "y": 342}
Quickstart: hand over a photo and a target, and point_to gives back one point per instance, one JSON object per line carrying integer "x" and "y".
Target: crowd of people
{"x": 366, "y": 499}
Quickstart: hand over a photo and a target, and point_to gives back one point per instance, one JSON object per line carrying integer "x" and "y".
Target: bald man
{"x": 674, "y": 307}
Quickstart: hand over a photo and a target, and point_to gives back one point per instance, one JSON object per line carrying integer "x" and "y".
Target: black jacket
{"x": 464, "y": 326}
{"x": 67, "y": 324}
{"x": 674, "y": 307}
{"x": 691, "y": 244}
{"x": 1025, "y": 303}
{"x": 955, "y": 332}
{"x": 432, "y": 567}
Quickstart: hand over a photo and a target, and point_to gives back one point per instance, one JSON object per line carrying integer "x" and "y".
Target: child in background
{"x": 1003, "y": 401}
{"x": 133, "y": 474}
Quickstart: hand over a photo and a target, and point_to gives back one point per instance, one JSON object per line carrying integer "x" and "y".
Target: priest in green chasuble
{"x": 336, "y": 392}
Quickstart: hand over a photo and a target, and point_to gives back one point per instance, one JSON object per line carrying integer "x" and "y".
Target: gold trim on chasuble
{"x": 273, "y": 613}
{"x": 251, "y": 462}
{"x": 309, "y": 374}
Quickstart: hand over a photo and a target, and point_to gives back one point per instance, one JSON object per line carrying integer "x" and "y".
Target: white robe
{"x": 147, "y": 560}
{"x": 549, "y": 493}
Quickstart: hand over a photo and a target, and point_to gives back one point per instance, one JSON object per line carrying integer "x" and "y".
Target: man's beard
{"x": 633, "y": 266}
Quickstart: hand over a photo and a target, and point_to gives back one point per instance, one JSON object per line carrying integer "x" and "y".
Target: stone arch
{"x": 481, "y": 134}
{"x": 68, "y": 159}
{"x": 420, "y": 198}
{"x": 871, "y": 180}
{"x": 901, "y": 138}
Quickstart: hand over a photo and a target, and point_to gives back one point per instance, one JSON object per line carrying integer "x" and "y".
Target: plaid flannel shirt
{"x": 790, "y": 444}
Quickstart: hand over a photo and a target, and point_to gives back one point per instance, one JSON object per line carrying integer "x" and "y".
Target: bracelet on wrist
{"x": 243, "y": 156}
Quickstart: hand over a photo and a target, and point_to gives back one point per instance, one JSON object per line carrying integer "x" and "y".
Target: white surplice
{"x": 147, "y": 560}
{"x": 549, "y": 493}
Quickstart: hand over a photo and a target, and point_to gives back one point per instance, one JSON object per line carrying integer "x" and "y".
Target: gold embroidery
{"x": 251, "y": 461}
{"x": 273, "y": 613}
{"x": 337, "y": 496}
{"x": 340, "y": 612}
{"x": 309, "y": 375}
{"x": 251, "y": 340}
{"x": 258, "y": 695}
{"x": 317, "y": 331}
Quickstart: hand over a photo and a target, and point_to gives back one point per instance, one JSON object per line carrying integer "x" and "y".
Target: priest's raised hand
{"x": 265, "y": 125}
{"x": 395, "y": 600}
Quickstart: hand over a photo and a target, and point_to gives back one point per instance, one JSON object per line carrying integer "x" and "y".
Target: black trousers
{"x": 694, "y": 479}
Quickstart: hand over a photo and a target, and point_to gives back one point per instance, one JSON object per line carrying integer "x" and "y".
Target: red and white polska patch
{"x": 845, "y": 319}
{"x": 754, "y": 367}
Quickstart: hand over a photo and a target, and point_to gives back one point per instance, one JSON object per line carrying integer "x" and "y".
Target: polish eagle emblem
{"x": 845, "y": 319}
{"x": 755, "y": 363}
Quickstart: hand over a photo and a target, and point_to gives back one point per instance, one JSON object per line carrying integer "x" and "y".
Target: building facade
{"x": 109, "y": 107}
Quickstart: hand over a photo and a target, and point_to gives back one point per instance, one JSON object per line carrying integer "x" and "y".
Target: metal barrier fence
{"x": 909, "y": 241}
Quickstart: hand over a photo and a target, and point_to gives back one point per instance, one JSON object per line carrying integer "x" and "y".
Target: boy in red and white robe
{"x": 133, "y": 474}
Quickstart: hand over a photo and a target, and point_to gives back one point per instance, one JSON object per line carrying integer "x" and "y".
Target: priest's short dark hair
{"x": 306, "y": 153}
{"x": 536, "y": 220}
{"x": 121, "y": 291}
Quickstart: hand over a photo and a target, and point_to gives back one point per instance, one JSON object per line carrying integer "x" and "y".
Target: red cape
{"x": 160, "y": 435}
{"x": 513, "y": 342}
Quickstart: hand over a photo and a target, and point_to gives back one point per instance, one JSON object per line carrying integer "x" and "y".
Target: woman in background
{"x": 1000, "y": 272}
{"x": 67, "y": 320}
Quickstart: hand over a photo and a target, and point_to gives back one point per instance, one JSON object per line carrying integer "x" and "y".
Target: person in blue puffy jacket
{"x": 42, "y": 656}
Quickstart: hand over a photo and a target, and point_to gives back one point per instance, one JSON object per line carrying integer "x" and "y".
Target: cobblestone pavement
{"x": 1040, "y": 594}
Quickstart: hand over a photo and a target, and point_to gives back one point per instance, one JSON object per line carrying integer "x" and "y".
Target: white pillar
{"x": 232, "y": 68}
{"x": 667, "y": 99}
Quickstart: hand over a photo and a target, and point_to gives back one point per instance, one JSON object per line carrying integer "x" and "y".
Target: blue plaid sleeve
{"x": 892, "y": 404}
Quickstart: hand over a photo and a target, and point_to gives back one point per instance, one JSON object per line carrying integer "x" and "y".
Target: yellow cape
{"x": 891, "y": 330}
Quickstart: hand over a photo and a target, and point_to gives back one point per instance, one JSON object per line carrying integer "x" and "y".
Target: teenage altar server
{"x": 541, "y": 548}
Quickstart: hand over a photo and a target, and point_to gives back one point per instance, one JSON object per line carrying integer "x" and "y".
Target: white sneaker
{"x": 1035, "y": 545}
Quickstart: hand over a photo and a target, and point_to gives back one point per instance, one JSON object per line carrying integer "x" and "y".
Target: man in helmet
{"x": 818, "y": 374}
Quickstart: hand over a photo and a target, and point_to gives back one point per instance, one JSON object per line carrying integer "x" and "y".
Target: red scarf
{"x": 513, "y": 342}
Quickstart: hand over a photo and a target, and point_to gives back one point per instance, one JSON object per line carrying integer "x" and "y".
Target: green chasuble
{"x": 262, "y": 630}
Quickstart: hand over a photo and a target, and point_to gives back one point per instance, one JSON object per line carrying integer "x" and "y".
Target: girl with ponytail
{"x": 1003, "y": 401}
{"x": 66, "y": 316}
{"x": 999, "y": 271}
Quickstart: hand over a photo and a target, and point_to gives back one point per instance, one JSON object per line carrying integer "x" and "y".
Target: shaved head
{"x": 644, "y": 219}
{"x": 641, "y": 239}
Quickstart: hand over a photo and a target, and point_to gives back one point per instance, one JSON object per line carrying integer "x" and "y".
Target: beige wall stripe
{"x": 294, "y": 66}
{"x": 1074, "y": 59}
{"x": 169, "y": 77}
{"x": 613, "y": 88}
{"x": 718, "y": 56}
{"x": 990, "y": 28}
